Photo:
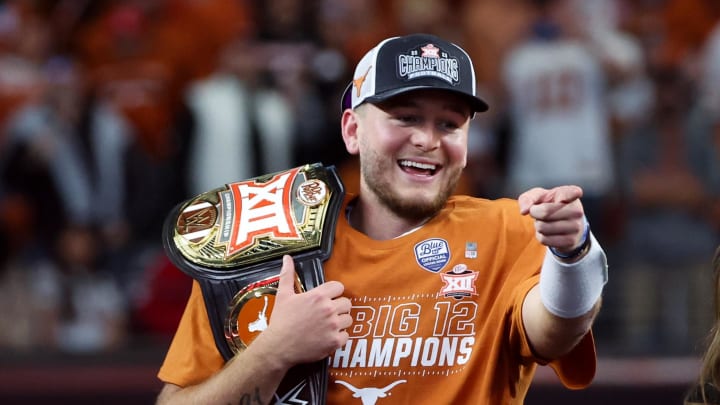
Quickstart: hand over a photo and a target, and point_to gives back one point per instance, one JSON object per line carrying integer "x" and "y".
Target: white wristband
{"x": 569, "y": 290}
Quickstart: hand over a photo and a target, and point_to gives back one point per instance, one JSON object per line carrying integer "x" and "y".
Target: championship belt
{"x": 232, "y": 239}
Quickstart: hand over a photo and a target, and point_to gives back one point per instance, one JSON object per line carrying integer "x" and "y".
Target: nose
{"x": 426, "y": 138}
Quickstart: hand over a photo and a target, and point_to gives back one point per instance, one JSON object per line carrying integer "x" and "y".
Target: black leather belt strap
{"x": 232, "y": 239}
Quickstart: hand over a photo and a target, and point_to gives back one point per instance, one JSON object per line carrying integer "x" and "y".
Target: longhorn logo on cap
{"x": 358, "y": 83}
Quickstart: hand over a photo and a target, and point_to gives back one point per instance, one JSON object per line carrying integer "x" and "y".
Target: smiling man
{"x": 431, "y": 298}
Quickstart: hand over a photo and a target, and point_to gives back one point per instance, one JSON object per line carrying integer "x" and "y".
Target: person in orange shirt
{"x": 431, "y": 298}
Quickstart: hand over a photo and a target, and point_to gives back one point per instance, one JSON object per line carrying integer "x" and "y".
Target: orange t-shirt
{"x": 437, "y": 313}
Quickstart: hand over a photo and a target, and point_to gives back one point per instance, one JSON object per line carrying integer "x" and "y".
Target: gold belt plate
{"x": 255, "y": 220}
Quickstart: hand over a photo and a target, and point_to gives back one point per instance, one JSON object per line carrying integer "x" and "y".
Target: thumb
{"x": 286, "y": 283}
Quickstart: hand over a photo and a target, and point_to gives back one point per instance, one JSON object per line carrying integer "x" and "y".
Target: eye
{"x": 408, "y": 119}
{"x": 449, "y": 125}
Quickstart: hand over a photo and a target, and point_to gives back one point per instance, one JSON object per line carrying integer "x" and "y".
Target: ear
{"x": 349, "y": 126}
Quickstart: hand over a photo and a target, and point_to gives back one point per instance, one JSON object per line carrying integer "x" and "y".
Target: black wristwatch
{"x": 578, "y": 251}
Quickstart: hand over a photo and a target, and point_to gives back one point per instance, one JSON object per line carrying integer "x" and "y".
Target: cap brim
{"x": 476, "y": 104}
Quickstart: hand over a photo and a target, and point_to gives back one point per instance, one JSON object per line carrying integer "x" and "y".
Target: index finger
{"x": 560, "y": 194}
{"x": 532, "y": 197}
{"x": 567, "y": 194}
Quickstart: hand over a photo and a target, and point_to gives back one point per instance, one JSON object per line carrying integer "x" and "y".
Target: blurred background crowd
{"x": 113, "y": 111}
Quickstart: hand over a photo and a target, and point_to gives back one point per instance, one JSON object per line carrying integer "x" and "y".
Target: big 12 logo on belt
{"x": 248, "y": 221}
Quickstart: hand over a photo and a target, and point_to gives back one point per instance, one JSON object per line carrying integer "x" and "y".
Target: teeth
{"x": 422, "y": 166}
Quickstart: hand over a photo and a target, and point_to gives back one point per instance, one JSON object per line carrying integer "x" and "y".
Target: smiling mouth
{"x": 426, "y": 169}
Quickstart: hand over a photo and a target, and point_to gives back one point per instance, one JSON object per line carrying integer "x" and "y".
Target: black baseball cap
{"x": 412, "y": 62}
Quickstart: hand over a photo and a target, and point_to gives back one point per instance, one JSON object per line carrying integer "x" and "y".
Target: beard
{"x": 404, "y": 207}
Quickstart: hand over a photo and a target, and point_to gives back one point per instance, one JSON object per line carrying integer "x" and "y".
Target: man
{"x": 431, "y": 298}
